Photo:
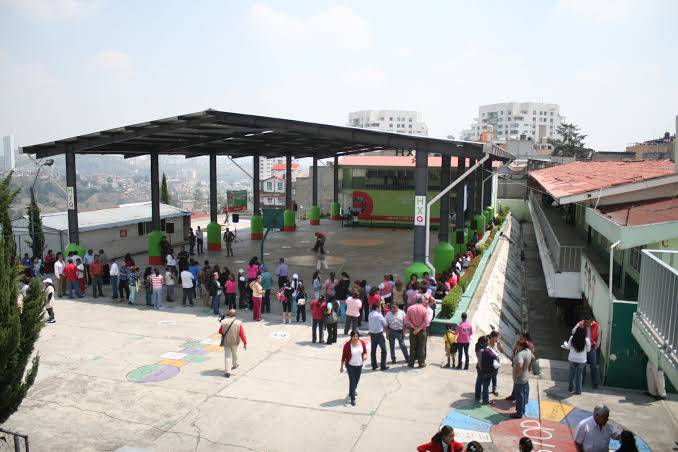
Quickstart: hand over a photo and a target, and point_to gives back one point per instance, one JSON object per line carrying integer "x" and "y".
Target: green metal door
{"x": 273, "y": 218}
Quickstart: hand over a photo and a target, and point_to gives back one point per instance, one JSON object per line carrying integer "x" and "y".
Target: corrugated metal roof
{"x": 125, "y": 214}
{"x": 583, "y": 177}
{"x": 642, "y": 212}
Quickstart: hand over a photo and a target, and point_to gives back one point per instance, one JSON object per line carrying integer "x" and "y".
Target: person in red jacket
{"x": 593, "y": 334}
{"x": 71, "y": 273}
{"x": 317, "y": 315}
{"x": 352, "y": 357}
{"x": 444, "y": 437}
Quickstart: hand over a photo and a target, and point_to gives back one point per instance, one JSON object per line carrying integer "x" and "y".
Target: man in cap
{"x": 232, "y": 333}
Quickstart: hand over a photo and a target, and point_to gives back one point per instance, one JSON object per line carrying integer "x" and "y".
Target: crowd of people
{"x": 392, "y": 310}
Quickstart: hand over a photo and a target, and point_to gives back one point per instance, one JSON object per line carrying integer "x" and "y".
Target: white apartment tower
{"x": 266, "y": 166}
{"x": 516, "y": 120}
{"x": 8, "y": 156}
{"x": 398, "y": 121}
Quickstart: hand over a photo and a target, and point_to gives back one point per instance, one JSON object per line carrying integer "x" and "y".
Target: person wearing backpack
{"x": 301, "y": 303}
{"x": 330, "y": 321}
{"x": 285, "y": 299}
{"x": 318, "y": 307}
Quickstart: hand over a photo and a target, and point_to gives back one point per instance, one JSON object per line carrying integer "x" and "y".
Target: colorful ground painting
{"x": 550, "y": 424}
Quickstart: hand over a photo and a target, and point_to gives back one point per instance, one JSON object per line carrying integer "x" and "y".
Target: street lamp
{"x": 34, "y": 244}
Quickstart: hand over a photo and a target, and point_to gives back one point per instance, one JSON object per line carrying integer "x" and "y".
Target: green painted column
{"x": 334, "y": 211}
{"x": 480, "y": 223}
{"x": 256, "y": 227}
{"x": 416, "y": 268}
{"x": 314, "y": 215}
{"x": 154, "y": 253}
{"x": 77, "y": 249}
{"x": 489, "y": 214}
{"x": 213, "y": 236}
{"x": 442, "y": 256}
{"x": 289, "y": 222}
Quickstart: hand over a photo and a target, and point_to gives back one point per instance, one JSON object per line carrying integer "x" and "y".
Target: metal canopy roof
{"x": 239, "y": 135}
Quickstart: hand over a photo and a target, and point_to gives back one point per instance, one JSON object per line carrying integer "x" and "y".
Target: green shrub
{"x": 480, "y": 249}
{"x": 451, "y": 303}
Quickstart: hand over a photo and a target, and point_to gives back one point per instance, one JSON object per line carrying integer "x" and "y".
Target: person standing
{"x": 316, "y": 284}
{"x": 395, "y": 323}
{"x": 199, "y": 240}
{"x": 257, "y": 296}
{"x": 521, "y": 378}
{"x": 169, "y": 284}
{"x": 48, "y": 262}
{"x": 330, "y": 321}
{"x": 215, "y": 293}
{"x": 123, "y": 282}
{"x": 187, "y": 287}
{"x": 71, "y": 273}
{"x": 82, "y": 278}
{"x": 157, "y": 281}
{"x": 353, "y": 355}
{"x": 266, "y": 285}
{"x": 229, "y": 238}
{"x": 593, "y": 335}
{"x": 113, "y": 273}
{"x": 171, "y": 263}
{"x": 341, "y": 292}
{"x": 96, "y": 272}
{"x": 89, "y": 258}
{"x": 282, "y": 272}
{"x": 134, "y": 284}
{"x": 489, "y": 363}
{"x": 495, "y": 345}
{"x": 148, "y": 286}
{"x": 579, "y": 345}
{"x": 464, "y": 333}
{"x": 386, "y": 289}
{"x": 59, "y": 275}
{"x": 49, "y": 298}
{"x": 399, "y": 294}
{"x": 353, "y": 305}
{"x": 328, "y": 288}
{"x": 300, "y": 298}
{"x": 450, "y": 347}
{"x": 417, "y": 321}
{"x": 232, "y": 333}
{"x": 443, "y": 441}
{"x": 105, "y": 268}
{"x": 231, "y": 290}
{"x": 318, "y": 307}
{"x": 593, "y": 433}
{"x": 191, "y": 241}
{"x": 376, "y": 324}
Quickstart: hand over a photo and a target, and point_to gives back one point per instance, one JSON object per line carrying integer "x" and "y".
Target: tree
{"x": 570, "y": 143}
{"x": 164, "y": 191}
{"x": 19, "y": 327}
{"x": 35, "y": 227}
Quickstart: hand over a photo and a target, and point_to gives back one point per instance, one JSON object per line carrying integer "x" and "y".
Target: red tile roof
{"x": 394, "y": 161}
{"x": 642, "y": 212}
{"x": 283, "y": 166}
{"x": 583, "y": 177}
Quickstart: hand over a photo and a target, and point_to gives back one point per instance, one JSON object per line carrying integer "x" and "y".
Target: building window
{"x": 141, "y": 228}
{"x": 269, "y": 186}
{"x": 390, "y": 118}
{"x": 410, "y": 119}
{"x": 280, "y": 186}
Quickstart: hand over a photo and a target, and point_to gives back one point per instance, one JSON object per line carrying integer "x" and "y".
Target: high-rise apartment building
{"x": 8, "y": 156}
{"x": 398, "y": 121}
{"x": 516, "y": 120}
{"x": 266, "y": 166}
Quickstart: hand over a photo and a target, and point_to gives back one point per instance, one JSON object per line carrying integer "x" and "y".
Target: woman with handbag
{"x": 353, "y": 355}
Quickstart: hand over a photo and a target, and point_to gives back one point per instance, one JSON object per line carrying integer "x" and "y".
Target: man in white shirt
{"x": 199, "y": 237}
{"x": 395, "y": 323}
{"x": 187, "y": 286}
{"x": 59, "y": 275}
{"x": 113, "y": 271}
{"x": 593, "y": 433}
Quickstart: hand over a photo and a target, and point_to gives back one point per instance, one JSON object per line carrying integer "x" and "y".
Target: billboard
{"x": 236, "y": 201}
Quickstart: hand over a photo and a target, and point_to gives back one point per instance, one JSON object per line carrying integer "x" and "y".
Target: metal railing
{"x": 14, "y": 441}
{"x": 566, "y": 258}
{"x": 658, "y": 298}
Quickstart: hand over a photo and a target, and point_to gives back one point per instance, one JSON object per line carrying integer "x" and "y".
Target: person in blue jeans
{"x": 480, "y": 346}
{"x": 521, "y": 378}
{"x": 487, "y": 371}
{"x": 579, "y": 346}
{"x": 376, "y": 324}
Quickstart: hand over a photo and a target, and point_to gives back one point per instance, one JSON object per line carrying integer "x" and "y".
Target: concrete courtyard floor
{"x": 287, "y": 394}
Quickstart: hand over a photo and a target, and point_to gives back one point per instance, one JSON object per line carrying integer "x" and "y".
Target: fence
{"x": 13, "y": 441}
{"x": 566, "y": 258}
{"x": 658, "y": 299}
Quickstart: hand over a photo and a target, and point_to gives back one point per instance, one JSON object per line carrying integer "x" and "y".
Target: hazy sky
{"x": 73, "y": 66}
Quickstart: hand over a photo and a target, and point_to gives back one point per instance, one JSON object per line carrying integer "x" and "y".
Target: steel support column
{"x": 314, "y": 211}
{"x": 257, "y": 222}
{"x": 335, "y": 209}
{"x": 459, "y": 223}
{"x": 289, "y": 220}
{"x": 156, "y": 236}
{"x": 471, "y": 192}
{"x": 419, "y": 253}
{"x": 73, "y": 233}
{"x": 213, "y": 188}
{"x": 445, "y": 173}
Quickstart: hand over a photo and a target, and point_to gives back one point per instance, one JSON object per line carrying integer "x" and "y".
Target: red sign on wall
{"x": 123, "y": 233}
